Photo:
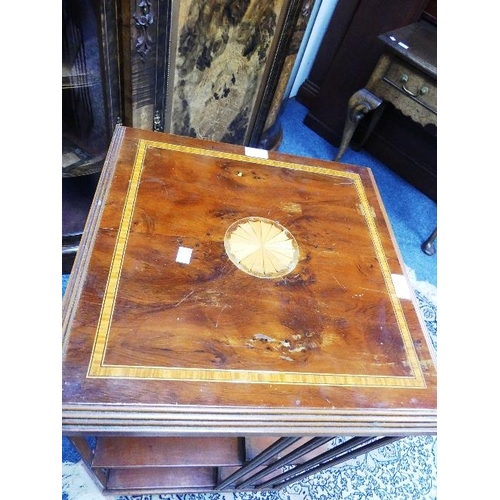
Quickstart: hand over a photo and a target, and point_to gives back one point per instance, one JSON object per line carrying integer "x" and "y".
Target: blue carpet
{"x": 405, "y": 470}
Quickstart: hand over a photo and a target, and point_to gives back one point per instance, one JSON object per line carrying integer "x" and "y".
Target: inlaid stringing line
{"x": 109, "y": 299}
{"x": 254, "y": 376}
{"x": 251, "y": 159}
{"x": 97, "y": 367}
{"x": 386, "y": 272}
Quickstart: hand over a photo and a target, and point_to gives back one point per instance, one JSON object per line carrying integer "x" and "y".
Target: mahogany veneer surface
{"x": 160, "y": 340}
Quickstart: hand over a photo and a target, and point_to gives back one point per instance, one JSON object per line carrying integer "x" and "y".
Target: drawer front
{"x": 412, "y": 83}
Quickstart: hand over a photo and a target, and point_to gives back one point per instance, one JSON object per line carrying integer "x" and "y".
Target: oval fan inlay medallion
{"x": 261, "y": 247}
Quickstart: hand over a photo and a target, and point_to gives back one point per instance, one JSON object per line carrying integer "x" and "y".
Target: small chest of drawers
{"x": 410, "y": 90}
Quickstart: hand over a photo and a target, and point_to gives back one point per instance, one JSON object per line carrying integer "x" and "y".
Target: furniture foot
{"x": 428, "y": 245}
{"x": 360, "y": 103}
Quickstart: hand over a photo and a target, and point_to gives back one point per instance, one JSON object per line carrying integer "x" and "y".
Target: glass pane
{"x": 85, "y": 138}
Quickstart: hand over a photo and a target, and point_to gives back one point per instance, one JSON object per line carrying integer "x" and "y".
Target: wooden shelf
{"x": 125, "y": 452}
{"x": 160, "y": 479}
{"x": 151, "y": 465}
{"x": 174, "y": 464}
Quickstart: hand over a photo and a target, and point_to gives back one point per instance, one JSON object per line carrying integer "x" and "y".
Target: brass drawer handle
{"x": 421, "y": 91}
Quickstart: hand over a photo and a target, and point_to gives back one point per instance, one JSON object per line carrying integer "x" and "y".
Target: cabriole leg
{"x": 361, "y": 103}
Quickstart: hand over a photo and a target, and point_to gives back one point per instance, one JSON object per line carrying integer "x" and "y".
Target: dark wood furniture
{"x": 181, "y": 67}
{"x": 346, "y": 58}
{"x": 230, "y": 312}
{"x": 405, "y": 76}
{"x": 91, "y": 106}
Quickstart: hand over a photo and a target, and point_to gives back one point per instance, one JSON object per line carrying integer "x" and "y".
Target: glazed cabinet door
{"x": 91, "y": 102}
{"x": 91, "y": 107}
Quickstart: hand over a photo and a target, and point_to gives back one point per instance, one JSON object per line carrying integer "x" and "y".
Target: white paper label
{"x": 401, "y": 286}
{"x": 184, "y": 255}
{"x": 256, "y": 153}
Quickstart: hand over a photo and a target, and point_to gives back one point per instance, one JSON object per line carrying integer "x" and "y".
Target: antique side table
{"x": 232, "y": 311}
{"x": 405, "y": 76}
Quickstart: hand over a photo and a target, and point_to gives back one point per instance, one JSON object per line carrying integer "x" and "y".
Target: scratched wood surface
{"x": 159, "y": 323}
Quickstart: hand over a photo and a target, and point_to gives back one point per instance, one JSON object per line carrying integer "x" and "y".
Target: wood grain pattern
{"x": 185, "y": 347}
{"x": 128, "y": 452}
{"x": 120, "y": 368}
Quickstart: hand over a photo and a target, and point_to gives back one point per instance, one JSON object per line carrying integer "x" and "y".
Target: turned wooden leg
{"x": 360, "y": 103}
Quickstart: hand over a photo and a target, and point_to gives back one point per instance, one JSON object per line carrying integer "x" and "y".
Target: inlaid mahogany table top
{"x": 230, "y": 291}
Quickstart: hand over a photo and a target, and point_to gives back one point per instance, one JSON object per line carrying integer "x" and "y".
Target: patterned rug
{"x": 404, "y": 470}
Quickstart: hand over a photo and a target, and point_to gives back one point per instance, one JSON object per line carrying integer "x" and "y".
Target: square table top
{"x": 226, "y": 290}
